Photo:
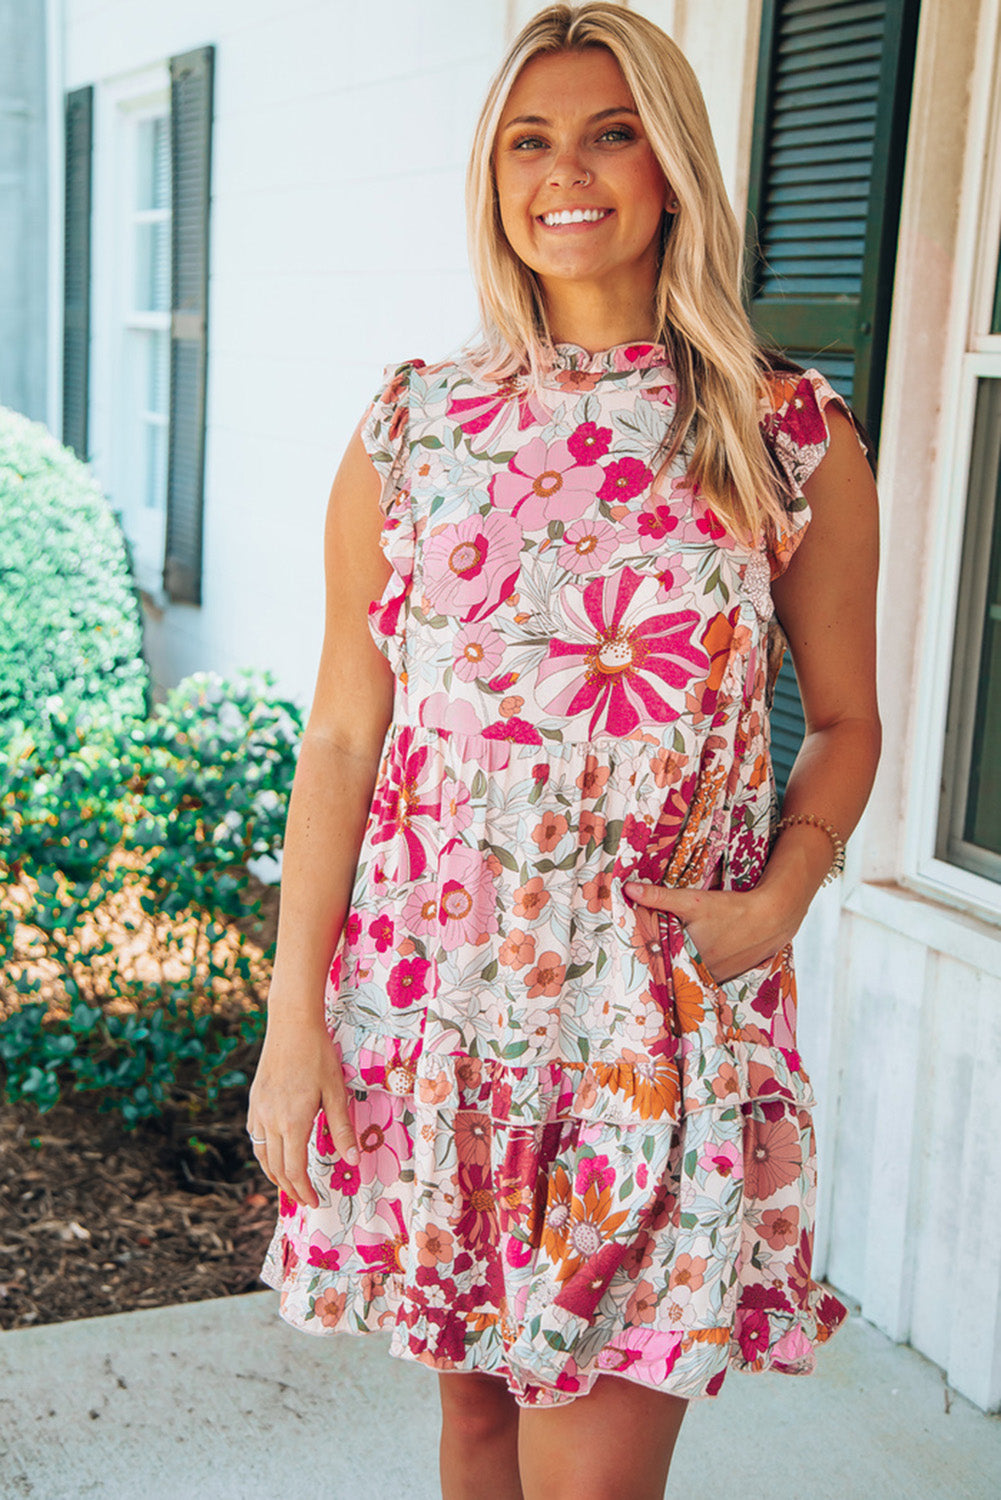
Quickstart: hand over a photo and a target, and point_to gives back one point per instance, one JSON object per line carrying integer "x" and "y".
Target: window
{"x": 142, "y": 397}
{"x": 136, "y": 310}
{"x": 830, "y": 131}
{"x": 970, "y": 835}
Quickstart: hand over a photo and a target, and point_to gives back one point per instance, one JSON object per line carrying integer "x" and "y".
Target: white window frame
{"x": 120, "y": 104}
{"x": 972, "y": 354}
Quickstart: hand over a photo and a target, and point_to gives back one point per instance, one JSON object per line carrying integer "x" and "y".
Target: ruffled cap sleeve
{"x": 794, "y": 424}
{"x": 385, "y": 433}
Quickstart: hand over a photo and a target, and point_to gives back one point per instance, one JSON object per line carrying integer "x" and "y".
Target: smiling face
{"x": 581, "y": 193}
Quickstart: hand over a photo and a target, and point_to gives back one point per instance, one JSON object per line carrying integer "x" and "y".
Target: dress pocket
{"x": 760, "y": 1000}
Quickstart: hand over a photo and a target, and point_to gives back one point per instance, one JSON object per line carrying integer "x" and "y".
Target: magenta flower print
{"x": 406, "y": 806}
{"x": 408, "y": 982}
{"x": 471, "y": 566}
{"x": 586, "y": 546}
{"x": 478, "y": 649}
{"x": 624, "y": 478}
{"x": 655, "y": 523}
{"x": 475, "y": 414}
{"x": 627, "y": 662}
{"x": 589, "y": 442}
{"x": 467, "y": 907}
{"x": 545, "y": 483}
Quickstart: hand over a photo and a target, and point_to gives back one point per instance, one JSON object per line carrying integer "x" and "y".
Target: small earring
{"x": 673, "y": 206}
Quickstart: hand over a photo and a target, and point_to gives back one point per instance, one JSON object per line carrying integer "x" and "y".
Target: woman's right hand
{"x": 298, "y": 1074}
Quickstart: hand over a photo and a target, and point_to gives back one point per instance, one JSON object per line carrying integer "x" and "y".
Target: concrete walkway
{"x": 220, "y": 1401}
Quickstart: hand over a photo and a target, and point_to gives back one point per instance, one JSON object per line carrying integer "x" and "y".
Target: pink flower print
{"x": 589, "y": 442}
{"x": 547, "y": 976}
{"x": 381, "y": 933}
{"x": 472, "y": 565}
{"x": 593, "y": 1169}
{"x": 672, "y": 580}
{"x": 408, "y": 982}
{"x": 545, "y": 483}
{"x": 420, "y": 914}
{"x": 478, "y": 650}
{"x": 326, "y": 1256}
{"x": 467, "y": 907}
{"x": 548, "y": 833}
{"x": 384, "y": 1252}
{"x": 475, "y": 414}
{"x": 624, "y": 478}
{"x": 587, "y": 545}
{"x": 380, "y": 1162}
{"x": 439, "y": 711}
{"x": 622, "y": 656}
{"x": 724, "y": 1159}
{"x": 406, "y": 807}
{"x": 456, "y": 814}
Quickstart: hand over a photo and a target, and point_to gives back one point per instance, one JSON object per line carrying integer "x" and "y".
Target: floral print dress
{"x": 580, "y": 1154}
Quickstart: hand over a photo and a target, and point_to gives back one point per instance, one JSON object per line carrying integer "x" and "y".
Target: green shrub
{"x": 128, "y": 948}
{"x": 70, "y": 624}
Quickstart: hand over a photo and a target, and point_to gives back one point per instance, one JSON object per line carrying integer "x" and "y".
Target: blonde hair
{"x": 698, "y": 312}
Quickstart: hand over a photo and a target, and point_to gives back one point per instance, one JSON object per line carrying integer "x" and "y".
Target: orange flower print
{"x": 472, "y": 1138}
{"x": 598, "y": 892}
{"x": 689, "y": 1271}
{"x": 530, "y": 898}
{"x": 642, "y": 1305}
{"x": 593, "y": 777}
{"x": 556, "y": 1221}
{"x": 517, "y": 950}
{"x": 772, "y": 1156}
{"x": 651, "y": 1081}
{"x": 547, "y": 976}
{"x": 329, "y": 1307}
{"x": 590, "y": 826}
{"x": 590, "y": 1225}
{"x": 689, "y": 1002}
{"x": 780, "y": 1226}
{"x": 434, "y": 1245}
{"x": 549, "y": 831}
{"x": 511, "y": 706}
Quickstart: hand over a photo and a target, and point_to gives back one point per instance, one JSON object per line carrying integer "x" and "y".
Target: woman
{"x": 551, "y": 1127}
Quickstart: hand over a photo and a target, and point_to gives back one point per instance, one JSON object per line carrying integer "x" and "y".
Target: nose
{"x": 569, "y": 171}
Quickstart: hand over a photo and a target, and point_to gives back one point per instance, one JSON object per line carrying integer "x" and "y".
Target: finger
{"x": 335, "y": 1107}
{"x": 297, "y": 1171}
{"x": 676, "y": 900}
{"x": 276, "y": 1161}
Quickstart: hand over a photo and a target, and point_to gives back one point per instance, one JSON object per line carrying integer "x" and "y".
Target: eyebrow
{"x": 604, "y": 114}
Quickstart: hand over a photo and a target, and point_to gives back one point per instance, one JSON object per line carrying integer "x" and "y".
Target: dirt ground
{"x": 95, "y": 1220}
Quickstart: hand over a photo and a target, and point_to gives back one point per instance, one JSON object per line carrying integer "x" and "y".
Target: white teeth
{"x": 576, "y": 216}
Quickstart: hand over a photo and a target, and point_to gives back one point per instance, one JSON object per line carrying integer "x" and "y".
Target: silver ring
{"x": 257, "y": 1140}
{"x": 586, "y": 180}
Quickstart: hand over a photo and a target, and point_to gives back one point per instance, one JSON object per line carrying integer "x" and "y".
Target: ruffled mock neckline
{"x": 620, "y": 359}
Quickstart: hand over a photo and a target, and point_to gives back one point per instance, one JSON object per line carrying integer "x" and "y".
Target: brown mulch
{"x": 94, "y": 1219}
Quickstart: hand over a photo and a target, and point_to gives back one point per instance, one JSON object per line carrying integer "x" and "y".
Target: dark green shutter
{"x": 191, "y": 152}
{"x": 996, "y": 319}
{"x": 76, "y": 268}
{"x": 830, "y": 133}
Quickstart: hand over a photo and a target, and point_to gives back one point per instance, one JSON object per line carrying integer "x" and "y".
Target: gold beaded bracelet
{"x": 838, "y": 865}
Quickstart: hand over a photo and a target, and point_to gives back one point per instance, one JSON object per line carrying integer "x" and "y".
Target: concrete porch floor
{"x": 221, "y": 1401}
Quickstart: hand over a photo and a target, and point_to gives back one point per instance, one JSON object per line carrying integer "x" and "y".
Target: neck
{"x": 597, "y": 317}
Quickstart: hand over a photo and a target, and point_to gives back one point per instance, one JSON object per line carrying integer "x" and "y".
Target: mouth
{"x": 564, "y": 216}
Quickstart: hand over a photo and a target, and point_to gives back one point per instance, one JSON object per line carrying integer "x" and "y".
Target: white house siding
{"x": 337, "y": 245}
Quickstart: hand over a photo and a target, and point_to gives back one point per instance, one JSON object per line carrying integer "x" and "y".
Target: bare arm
{"x": 299, "y": 1068}
{"x": 826, "y": 603}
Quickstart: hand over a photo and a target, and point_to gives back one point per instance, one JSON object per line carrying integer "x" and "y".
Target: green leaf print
{"x": 505, "y": 856}
{"x": 429, "y": 442}
{"x": 479, "y": 785}
{"x": 489, "y": 972}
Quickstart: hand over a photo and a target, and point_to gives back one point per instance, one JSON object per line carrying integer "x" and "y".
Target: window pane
{"x": 152, "y": 288}
{"x": 153, "y": 142}
{"x": 971, "y": 828}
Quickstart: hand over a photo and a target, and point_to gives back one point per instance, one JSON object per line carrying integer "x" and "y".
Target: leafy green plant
{"x": 70, "y": 624}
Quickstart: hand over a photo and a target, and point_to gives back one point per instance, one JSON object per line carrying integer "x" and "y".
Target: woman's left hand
{"x": 730, "y": 930}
